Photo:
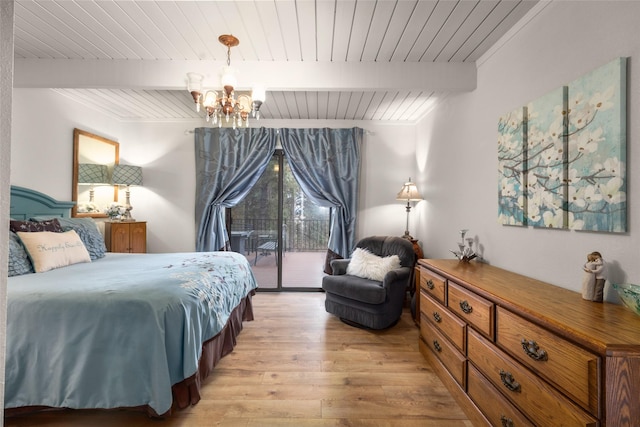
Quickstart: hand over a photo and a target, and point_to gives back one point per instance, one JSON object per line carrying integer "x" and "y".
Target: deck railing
{"x": 298, "y": 235}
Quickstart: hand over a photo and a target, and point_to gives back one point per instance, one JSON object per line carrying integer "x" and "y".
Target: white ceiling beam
{"x": 283, "y": 76}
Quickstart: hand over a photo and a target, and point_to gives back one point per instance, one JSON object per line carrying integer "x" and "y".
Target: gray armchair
{"x": 369, "y": 303}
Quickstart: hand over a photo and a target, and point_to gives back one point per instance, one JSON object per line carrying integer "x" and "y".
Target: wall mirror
{"x": 93, "y": 160}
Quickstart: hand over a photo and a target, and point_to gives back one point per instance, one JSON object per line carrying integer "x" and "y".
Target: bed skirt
{"x": 187, "y": 391}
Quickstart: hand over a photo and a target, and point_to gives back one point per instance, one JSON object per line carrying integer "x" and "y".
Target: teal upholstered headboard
{"x": 27, "y": 203}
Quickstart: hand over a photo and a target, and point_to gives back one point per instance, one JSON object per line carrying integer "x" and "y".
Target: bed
{"x": 122, "y": 330}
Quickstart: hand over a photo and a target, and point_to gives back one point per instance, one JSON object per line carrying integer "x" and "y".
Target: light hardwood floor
{"x": 296, "y": 365}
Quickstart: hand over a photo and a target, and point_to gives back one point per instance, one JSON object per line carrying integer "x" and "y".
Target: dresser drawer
{"x": 455, "y": 362}
{"x": 474, "y": 309}
{"x": 495, "y": 407}
{"x": 542, "y": 404}
{"x": 568, "y": 366}
{"x": 452, "y": 327}
{"x": 433, "y": 284}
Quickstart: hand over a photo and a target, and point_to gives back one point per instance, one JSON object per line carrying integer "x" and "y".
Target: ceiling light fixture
{"x": 226, "y": 105}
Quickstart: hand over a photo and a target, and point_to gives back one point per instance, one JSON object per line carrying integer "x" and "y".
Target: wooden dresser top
{"x": 600, "y": 326}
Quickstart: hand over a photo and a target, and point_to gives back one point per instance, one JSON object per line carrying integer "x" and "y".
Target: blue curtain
{"x": 326, "y": 164}
{"x": 228, "y": 164}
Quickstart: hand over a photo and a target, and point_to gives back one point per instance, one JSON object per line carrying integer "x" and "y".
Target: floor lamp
{"x": 409, "y": 193}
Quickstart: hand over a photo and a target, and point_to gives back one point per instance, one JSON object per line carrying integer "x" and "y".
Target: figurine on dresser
{"x": 593, "y": 280}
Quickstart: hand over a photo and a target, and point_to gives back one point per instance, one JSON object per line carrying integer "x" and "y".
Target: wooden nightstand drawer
{"x": 568, "y": 366}
{"x": 452, "y": 327}
{"x": 433, "y": 284}
{"x": 544, "y": 405}
{"x": 455, "y": 362}
{"x": 498, "y": 410}
{"x": 474, "y": 309}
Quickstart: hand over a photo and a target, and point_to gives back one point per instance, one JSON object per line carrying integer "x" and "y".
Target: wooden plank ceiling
{"x": 345, "y": 37}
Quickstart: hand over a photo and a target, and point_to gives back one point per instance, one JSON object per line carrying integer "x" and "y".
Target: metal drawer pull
{"x": 430, "y": 284}
{"x": 436, "y": 345}
{"x": 464, "y": 305}
{"x": 436, "y": 317}
{"x": 508, "y": 381}
{"x": 506, "y": 422}
{"x": 531, "y": 349}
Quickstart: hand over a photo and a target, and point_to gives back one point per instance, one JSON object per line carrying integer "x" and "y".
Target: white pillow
{"x": 370, "y": 266}
{"x": 49, "y": 250}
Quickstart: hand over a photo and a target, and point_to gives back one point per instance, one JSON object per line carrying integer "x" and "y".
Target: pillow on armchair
{"x": 370, "y": 266}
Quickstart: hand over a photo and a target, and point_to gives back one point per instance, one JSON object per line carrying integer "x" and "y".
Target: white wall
{"x": 42, "y": 139}
{"x": 42, "y": 152}
{"x": 457, "y": 145}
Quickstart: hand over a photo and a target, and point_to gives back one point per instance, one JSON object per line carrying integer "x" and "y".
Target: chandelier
{"x": 227, "y": 106}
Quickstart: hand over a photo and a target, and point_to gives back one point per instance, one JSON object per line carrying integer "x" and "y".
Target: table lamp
{"x": 127, "y": 175}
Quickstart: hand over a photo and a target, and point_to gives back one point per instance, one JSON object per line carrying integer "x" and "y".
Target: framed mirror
{"x": 93, "y": 160}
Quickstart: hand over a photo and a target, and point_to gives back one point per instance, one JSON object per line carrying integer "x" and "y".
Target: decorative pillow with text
{"x": 88, "y": 231}
{"x": 49, "y": 250}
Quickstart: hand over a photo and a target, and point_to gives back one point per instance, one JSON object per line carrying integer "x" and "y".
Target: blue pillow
{"x": 88, "y": 231}
{"x": 19, "y": 262}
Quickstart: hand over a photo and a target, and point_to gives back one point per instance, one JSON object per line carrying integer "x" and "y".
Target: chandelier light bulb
{"x": 228, "y": 77}
{"x": 194, "y": 86}
{"x": 194, "y": 82}
{"x": 258, "y": 93}
{"x": 210, "y": 97}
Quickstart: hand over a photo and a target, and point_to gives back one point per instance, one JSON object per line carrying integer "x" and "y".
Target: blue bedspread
{"x": 117, "y": 332}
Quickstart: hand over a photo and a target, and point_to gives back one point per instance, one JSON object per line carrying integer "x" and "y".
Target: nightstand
{"x": 126, "y": 236}
{"x": 417, "y": 249}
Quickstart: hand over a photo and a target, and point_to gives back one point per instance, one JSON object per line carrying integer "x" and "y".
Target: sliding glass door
{"x": 283, "y": 235}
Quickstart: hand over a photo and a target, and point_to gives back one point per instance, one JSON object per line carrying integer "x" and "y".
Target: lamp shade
{"x": 126, "y": 175}
{"x": 228, "y": 77}
{"x": 409, "y": 192}
{"x": 90, "y": 173}
{"x": 258, "y": 93}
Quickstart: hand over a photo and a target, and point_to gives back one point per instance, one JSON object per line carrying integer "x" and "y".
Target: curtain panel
{"x": 326, "y": 164}
{"x": 228, "y": 164}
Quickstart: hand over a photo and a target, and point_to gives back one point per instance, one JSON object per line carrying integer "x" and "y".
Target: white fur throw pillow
{"x": 369, "y": 266}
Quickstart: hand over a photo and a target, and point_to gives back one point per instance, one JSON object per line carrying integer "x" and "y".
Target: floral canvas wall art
{"x": 512, "y": 167}
{"x": 597, "y": 149}
{"x": 564, "y": 164}
{"x": 546, "y": 156}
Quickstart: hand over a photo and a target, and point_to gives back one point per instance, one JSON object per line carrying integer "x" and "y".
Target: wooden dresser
{"x": 126, "y": 236}
{"x": 515, "y": 351}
